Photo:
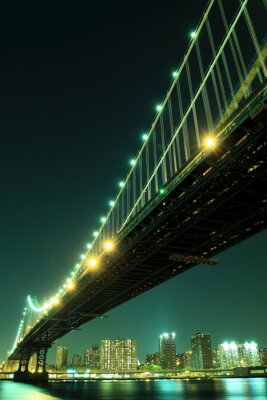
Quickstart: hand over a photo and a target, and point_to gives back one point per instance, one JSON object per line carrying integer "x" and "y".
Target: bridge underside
{"x": 220, "y": 203}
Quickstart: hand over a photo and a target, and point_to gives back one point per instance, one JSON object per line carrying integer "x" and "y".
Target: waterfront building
{"x": 215, "y": 358}
{"x": 91, "y": 357}
{"x": 118, "y": 355}
{"x": 153, "y": 358}
{"x": 10, "y": 365}
{"x": 184, "y": 360}
{"x": 61, "y": 356}
{"x": 229, "y": 355}
{"x": 251, "y": 354}
{"x": 167, "y": 350}
{"x": 32, "y": 362}
{"x": 201, "y": 351}
{"x": 76, "y": 360}
{"x": 236, "y": 354}
{"x": 263, "y": 356}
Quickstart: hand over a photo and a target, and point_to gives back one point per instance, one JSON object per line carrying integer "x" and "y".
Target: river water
{"x": 221, "y": 389}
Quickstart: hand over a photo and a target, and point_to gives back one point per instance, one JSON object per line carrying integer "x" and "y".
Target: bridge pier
{"x": 23, "y": 374}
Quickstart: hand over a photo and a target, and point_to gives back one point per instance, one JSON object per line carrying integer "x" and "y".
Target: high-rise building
{"x": 76, "y": 360}
{"x": 118, "y": 355}
{"x": 91, "y": 357}
{"x": 61, "y": 356}
{"x": 251, "y": 354}
{"x": 167, "y": 350}
{"x": 201, "y": 351}
{"x": 184, "y": 360}
{"x": 229, "y": 355}
{"x": 153, "y": 358}
{"x": 215, "y": 358}
{"x": 236, "y": 354}
{"x": 263, "y": 356}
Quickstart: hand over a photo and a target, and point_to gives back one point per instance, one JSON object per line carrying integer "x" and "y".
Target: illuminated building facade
{"x": 32, "y": 362}
{"x": 118, "y": 355}
{"x": 76, "y": 360}
{"x": 184, "y": 360}
{"x": 229, "y": 355}
{"x": 201, "y": 351}
{"x": 236, "y": 354}
{"x": 215, "y": 358}
{"x": 61, "y": 356}
{"x": 167, "y": 350}
{"x": 263, "y": 356}
{"x": 251, "y": 354}
{"x": 92, "y": 357}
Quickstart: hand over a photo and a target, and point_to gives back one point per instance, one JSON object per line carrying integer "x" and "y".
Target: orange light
{"x": 92, "y": 262}
{"x": 210, "y": 142}
{"x": 109, "y": 246}
{"x": 70, "y": 285}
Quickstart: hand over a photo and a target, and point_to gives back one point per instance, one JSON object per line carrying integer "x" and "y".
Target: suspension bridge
{"x": 197, "y": 186}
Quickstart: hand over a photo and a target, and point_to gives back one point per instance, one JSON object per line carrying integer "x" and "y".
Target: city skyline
{"x": 114, "y": 355}
{"x": 56, "y": 185}
{"x": 193, "y": 344}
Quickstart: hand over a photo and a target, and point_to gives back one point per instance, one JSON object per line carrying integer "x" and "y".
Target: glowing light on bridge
{"x": 111, "y": 203}
{"x": 70, "y": 285}
{"x": 121, "y": 184}
{"x": 132, "y": 161}
{"x": 109, "y": 245}
{"x": 92, "y": 262}
{"x": 193, "y": 34}
{"x": 103, "y": 219}
{"x": 35, "y": 306}
{"x": 89, "y": 246}
{"x": 158, "y": 107}
{"x": 144, "y": 137}
{"x": 210, "y": 142}
{"x": 95, "y": 233}
{"x": 55, "y": 300}
{"x": 174, "y": 74}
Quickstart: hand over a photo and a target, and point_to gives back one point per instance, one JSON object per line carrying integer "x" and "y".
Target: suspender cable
{"x": 172, "y": 133}
{"x": 184, "y": 125}
{"x": 128, "y": 196}
{"x": 140, "y": 162}
{"x": 217, "y": 68}
{"x": 255, "y": 43}
{"x": 147, "y": 171}
{"x": 134, "y": 186}
{"x": 204, "y": 93}
{"x": 155, "y": 160}
{"x": 164, "y": 167}
{"x": 194, "y": 106}
{"x": 232, "y": 47}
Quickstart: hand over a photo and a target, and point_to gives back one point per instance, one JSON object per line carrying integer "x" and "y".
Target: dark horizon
{"x": 79, "y": 83}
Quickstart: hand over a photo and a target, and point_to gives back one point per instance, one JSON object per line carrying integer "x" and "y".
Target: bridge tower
{"x": 23, "y": 374}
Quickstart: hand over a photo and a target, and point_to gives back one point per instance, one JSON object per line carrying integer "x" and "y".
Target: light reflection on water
{"x": 219, "y": 389}
{"x": 238, "y": 388}
{"x": 21, "y": 391}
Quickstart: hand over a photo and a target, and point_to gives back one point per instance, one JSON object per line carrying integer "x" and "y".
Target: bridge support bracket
{"x": 39, "y": 374}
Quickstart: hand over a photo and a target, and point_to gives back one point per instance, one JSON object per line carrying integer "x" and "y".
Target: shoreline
{"x": 118, "y": 379}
